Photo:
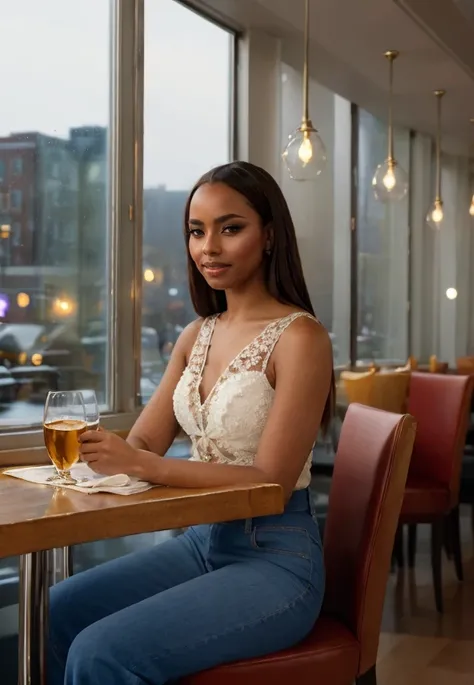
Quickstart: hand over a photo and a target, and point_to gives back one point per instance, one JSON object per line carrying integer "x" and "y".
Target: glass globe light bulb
{"x": 435, "y": 215}
{"x": 305, "y": 152}
{"x": 305, "y": 155}
{"x": 390, "y": 182}
{"x": 471, "y": 208}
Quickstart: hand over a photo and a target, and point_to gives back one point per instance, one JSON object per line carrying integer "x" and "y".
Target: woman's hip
{"x": 289, "y": 541}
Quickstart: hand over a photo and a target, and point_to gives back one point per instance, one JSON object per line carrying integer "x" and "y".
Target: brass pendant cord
{"x": 391, "y": 55}
{"x": 439, "y": 95}
{"x": 305, "y": 120}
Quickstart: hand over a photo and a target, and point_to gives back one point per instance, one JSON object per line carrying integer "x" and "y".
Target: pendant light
{"x": 436, "y": 213}
{"x": 471, "y": 208}
{"x": 305, "y": 154}
{"x": 390, "y": 181}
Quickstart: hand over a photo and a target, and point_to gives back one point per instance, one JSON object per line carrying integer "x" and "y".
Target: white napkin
{"x": 88, "y": 481}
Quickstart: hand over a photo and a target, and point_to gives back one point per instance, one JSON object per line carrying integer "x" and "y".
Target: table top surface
{"x": 36, "y": 517}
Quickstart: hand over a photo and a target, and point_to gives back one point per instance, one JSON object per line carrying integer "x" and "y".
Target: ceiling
{"x": 348, "y": 38}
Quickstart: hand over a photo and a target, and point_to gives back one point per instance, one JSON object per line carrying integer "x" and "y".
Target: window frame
{"x": 18, "y": 444}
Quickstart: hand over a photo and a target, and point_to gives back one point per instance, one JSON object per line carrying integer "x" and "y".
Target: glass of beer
{"x": 64, "y": 421}
{"x": 92, "y": 409}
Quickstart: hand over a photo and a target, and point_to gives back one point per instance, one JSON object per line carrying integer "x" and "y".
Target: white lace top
{"x": 226, "y": 427}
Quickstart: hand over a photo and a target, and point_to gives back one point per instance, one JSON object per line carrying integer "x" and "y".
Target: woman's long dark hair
{"x": 284, "y": 273}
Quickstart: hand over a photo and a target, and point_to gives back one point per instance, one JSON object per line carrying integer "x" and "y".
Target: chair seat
{"x": 330, "y": 654}
{"x": 424, "y": 498}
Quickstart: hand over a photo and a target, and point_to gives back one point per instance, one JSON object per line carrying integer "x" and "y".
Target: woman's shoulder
{"x": 297, "y": 319}
{"x": 304, "y": 350}
{"x": 303, "y": 334}
{"x": 188, "y": 337}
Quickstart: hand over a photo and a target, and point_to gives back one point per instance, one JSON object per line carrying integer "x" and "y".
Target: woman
{"x": 251, "y": 383}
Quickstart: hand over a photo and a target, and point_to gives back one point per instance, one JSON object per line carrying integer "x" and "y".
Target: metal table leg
{"x": 38, "y": 571}
{"x": 33, "y": 630}
{"x": 61, "y": 564}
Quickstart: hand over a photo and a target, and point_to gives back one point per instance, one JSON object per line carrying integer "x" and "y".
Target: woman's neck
{"x": 247, "y": 304}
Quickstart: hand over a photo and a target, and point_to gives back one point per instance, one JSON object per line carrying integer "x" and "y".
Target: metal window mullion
{"x": 127, "y": 194}
{"x": 354, "y": 252}
{"x": 409, "y": 343}
{"x": 234, "y": 95}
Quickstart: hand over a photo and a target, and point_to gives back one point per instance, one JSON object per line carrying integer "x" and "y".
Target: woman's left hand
{"x": 107, "y": 453}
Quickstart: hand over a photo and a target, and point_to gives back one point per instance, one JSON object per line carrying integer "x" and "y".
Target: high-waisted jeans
{"x": 215, "y": 594}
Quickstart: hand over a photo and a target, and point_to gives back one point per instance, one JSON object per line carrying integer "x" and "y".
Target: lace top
{"x": 226, "y": 427}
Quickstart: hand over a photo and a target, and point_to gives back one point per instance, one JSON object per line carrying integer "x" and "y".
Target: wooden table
{"x": 35, "y": 519}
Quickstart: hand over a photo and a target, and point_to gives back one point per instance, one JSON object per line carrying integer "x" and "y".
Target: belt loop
{"x": 248, "y": 526}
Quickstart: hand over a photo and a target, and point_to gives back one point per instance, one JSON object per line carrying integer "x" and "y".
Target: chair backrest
{"x": 390, "y": 391}
{"x": 436, "y": 366}
{"x": 465, "y": 365}
{"x": 366, "y": 497}
{"x": 440, "y": 404}
{"x": 358, "y": 386}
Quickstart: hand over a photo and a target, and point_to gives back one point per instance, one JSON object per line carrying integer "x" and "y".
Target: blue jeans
{"x": 217, "y": 593}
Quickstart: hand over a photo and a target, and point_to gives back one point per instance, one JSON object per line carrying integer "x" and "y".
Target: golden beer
{"x": 61, "y": 438}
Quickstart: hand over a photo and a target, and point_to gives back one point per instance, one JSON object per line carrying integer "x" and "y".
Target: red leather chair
{"x": 364, "y": 505}
{"x": 440, "y": 404}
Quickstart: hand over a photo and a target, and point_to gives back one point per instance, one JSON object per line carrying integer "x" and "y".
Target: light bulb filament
{"x": 389, "y": 179}
{"x": 471, "y": 208}
{"x": 437, "y": 214}
{"x": 305, "y": 152}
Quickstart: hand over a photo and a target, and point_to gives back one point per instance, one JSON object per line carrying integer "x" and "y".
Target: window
{"x": 2, "y": 171}
{"x": 187, "y": 121}
{"x": 5, "y": 256}
{"x": 321, "y": 210}
{"x": 383, "y": 239}
{"x": 17, "y": 166}
{"x": 46, "y": 340}
{"x": 16, "y": 197}
{"x": 4, "y": 202}
{"x": 442, "y": 259}
{"x": 16, "y": 234}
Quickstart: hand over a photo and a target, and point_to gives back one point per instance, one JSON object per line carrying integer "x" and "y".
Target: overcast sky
{"x": 55, "y": 75}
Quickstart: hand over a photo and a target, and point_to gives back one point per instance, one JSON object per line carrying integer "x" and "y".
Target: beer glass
{"x": 64, "y": 421}
{"x": 92, "y": 409}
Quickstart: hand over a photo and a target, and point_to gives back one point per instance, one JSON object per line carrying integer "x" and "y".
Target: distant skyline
{"x": 56, "y": 74}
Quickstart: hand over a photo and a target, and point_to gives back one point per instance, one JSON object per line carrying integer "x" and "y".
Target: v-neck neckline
{"x": 203, "y": 403}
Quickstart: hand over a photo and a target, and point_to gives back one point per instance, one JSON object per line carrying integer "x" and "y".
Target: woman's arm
{"x": 156, "y": 427}
{"x": 302, "y": 364}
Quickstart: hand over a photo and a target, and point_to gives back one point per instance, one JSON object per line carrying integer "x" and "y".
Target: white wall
{"x": 258, "y": 102}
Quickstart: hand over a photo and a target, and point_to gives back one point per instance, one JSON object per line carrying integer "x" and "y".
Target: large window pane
{"x": 53, "y": 202}
{"x": 187, "y": 121}
{"x": 442, "y": 259}
{"x": 383, "y": 237}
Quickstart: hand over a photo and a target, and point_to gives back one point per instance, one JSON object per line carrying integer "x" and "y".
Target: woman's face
{"x": 227, "y": 241}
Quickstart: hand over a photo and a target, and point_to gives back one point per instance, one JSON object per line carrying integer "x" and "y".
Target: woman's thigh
{"x": 92, "y": 595}
{"x": 239, "y": 611}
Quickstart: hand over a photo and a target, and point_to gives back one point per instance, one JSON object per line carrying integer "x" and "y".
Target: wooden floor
{"x": 417, "y": 645}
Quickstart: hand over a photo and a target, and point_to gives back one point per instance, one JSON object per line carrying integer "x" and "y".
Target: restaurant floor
{"x": 417, "y": 645}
